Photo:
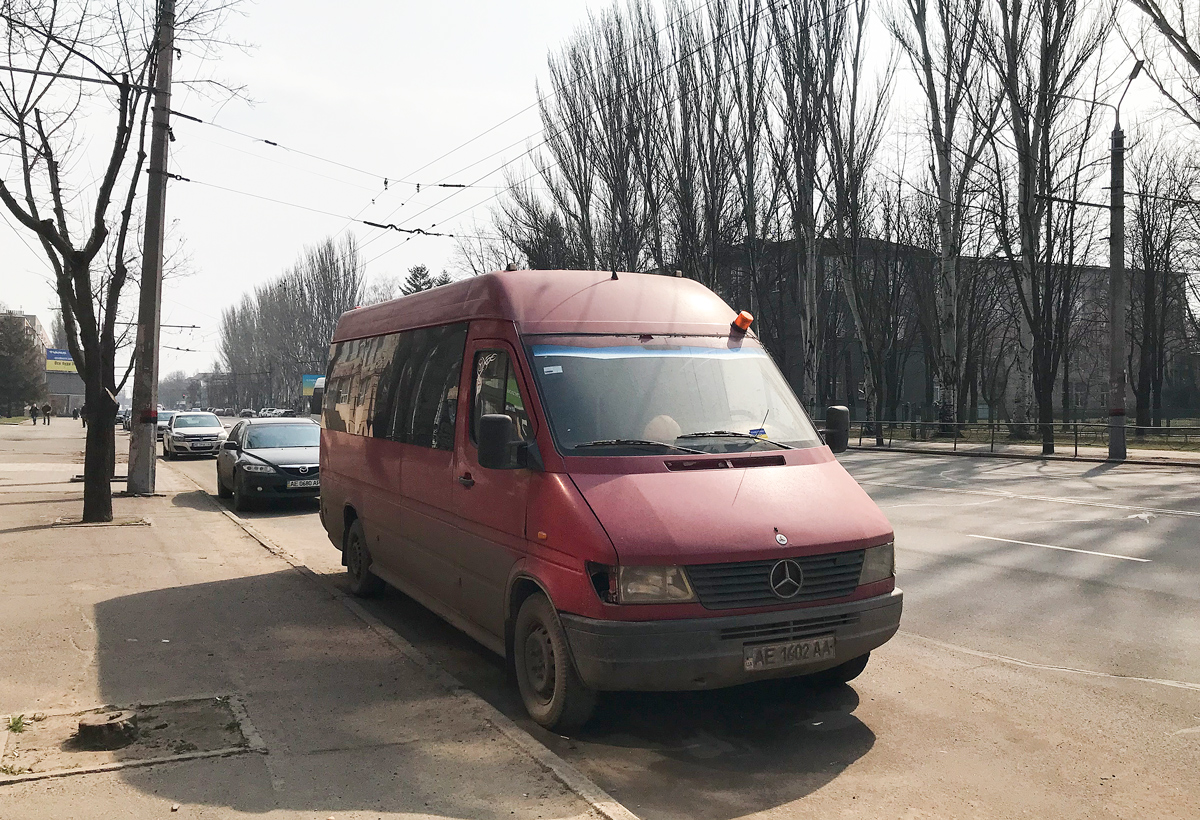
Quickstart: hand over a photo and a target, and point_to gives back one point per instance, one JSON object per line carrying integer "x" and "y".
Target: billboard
{"x": 309, "y": 383}
{"x": 59, "y": 361}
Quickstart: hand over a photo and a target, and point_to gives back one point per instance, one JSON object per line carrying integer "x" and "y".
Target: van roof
{"x": 558, "y": 301}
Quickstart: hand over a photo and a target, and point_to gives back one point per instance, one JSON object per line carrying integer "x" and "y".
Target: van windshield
{"x": 642, "y": 395}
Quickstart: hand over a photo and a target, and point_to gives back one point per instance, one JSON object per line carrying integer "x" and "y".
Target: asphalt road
{"x": 1048, "y": 663}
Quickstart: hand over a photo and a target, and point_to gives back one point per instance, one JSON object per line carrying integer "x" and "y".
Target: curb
{"x": 1134, "y": 462}
{"x": 600, "y": 801}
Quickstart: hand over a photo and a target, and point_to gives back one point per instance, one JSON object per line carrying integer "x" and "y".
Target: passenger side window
{"x": 496, "y": 390}
{"x": 236, "y": 432}
{"x": 435, "y": 390}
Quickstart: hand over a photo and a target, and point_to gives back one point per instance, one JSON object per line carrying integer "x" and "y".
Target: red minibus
{"x": 605, "y": 479}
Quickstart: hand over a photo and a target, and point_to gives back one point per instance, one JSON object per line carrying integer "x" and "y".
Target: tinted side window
{"x": 355, "y": 368}
{"x": 496, "y": 390}
{"x": 435, "y": 389}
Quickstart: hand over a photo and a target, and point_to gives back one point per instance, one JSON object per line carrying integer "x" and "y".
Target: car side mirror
{"x": 229, "y": 444}
{"x": 495, "y": 433}
{"x": 837, "y": 428}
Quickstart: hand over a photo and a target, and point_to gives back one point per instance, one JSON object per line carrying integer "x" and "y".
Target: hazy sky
{"x": 380, "y": 86}
{"x": 385, "y": 87}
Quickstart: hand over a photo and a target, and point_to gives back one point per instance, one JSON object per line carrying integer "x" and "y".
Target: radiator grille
{"x": 783, "y": 630}
{"x": 747, "y": 583}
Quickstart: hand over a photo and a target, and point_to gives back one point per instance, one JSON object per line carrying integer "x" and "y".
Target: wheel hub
{"x": 539, "y": 662}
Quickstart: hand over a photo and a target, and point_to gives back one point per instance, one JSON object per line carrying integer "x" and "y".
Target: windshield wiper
{"x": 731, "y": 434}
{"x": 635, "y": 442}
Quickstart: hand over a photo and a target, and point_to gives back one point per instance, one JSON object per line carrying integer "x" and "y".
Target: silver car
{"x": 193, "y": 433}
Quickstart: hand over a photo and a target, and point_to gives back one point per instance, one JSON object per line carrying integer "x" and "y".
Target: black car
{"x": 268, "y": 459}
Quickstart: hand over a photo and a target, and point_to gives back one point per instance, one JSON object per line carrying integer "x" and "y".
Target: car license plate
{"x": 789, "y": 653}
{"x": 303, "y": 482}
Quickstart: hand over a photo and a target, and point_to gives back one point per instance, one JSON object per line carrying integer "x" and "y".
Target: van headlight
{"x": 879, "y": 563}
{"x": 642, "y": 585}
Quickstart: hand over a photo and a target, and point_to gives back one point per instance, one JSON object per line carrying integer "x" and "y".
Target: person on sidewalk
{"x": 75, "y": 414}
{"x": 83, "y": 414}
{"x": 46, "y": 411}
{"x": 33, "y": 413}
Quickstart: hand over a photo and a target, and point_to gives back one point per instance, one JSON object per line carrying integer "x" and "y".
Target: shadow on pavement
{"x": 350, "y": 724}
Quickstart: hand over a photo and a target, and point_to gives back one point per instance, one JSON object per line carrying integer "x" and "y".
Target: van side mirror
{"x": 837, "y": 428}
{"x": 495, "y": 433}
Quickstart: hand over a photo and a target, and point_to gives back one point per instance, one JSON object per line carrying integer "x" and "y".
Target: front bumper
{"x": 707, "y": 653}
{"x": 208, "y": 448}
{"x": 269, "y": 485}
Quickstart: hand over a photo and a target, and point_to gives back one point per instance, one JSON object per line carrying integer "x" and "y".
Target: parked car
{"x": 164, "y": 418}
{"x": 269, "y": 459}
{"x": 193, "y": 433}
{"x": 247, "y": 414}
{"x": 606, "y": 480}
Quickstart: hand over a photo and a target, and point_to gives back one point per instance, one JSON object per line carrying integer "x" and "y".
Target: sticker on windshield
{"x": 759, "y": 431}
{"x": 554, "y": 369}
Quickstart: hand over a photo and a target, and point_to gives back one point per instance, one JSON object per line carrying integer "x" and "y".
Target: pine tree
{"x": 22, "y": 366}
{"x": 419, "y": 278}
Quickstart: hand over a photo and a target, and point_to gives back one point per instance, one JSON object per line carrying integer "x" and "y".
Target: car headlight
{"x": 257, "y": 468}
{"x": 879, "y": 563}
{"x": 653, "y": 585}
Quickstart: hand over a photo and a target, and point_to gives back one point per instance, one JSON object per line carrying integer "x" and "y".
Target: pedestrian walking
{"x": 46, "y": 411}
{"x": 75, "y": 414}
{"x": 83, "y": 414}
{"x": 33, "y": 413}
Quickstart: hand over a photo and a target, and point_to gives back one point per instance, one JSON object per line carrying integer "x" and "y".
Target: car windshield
{"x": 283, "y": 435}
{"x": 643, "y": 395}
{"x": 165, "y": 415}
{"x": 197, "y": 421}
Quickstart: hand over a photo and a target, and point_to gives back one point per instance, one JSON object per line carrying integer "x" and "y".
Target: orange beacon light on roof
{"x": 742, "y": 323}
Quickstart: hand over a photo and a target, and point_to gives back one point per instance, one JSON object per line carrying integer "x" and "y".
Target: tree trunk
{"x": 100, "y": 453}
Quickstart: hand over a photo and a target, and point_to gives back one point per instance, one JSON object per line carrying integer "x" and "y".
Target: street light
{"x": 1118, "y": 286}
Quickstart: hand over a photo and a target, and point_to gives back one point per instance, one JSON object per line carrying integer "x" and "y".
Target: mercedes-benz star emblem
{"x": 303, "y": 470}
{"x": 786, "y": 579}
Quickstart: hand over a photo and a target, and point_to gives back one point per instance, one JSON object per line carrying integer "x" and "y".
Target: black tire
{"x": 553, "y": 694}
{"x": 241, "y": 502}
{"x": 363, "y": 582}
{"x": 842, "y": 673}
{"x": 222, "y": 490}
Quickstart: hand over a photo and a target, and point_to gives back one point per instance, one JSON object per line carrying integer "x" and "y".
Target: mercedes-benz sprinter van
{"x": 605, "y": 479}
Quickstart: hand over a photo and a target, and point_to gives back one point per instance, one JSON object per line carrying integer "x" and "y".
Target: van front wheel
{"x": 363, "y": 582}
{"x": 553, "y": 694}
{"x": 842, "y": 673}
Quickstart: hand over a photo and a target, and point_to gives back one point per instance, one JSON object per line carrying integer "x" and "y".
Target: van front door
{"x": 490, "y": 504}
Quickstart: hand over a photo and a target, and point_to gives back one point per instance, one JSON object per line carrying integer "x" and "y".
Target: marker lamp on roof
{"x": 742, "y": 323}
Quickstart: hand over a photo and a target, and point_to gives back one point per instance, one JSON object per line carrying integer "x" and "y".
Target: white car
{"x": 193, "y": 434}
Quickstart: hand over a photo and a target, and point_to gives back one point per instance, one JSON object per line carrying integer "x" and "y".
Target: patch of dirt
{"x": 49, "y": 743}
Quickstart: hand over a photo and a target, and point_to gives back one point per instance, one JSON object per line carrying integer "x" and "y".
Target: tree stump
{"x": 108, "y": 730}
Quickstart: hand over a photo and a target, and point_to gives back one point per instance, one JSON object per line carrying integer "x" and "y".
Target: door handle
{"x": 466, "y": 480}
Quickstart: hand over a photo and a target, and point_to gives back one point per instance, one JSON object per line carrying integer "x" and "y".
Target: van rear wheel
{"x": 553, "y": 694}
{"x": 363, "y": 582}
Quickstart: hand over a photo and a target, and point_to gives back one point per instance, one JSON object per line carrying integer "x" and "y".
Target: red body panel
{"x": 464, "y": 545}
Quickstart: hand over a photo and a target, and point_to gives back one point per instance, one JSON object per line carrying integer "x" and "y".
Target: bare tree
{"x": 1040, "y": 50}
{"x": 42, "y": 138}
{"x": 944, "y": 48}
{"x": 1170, "y": 45}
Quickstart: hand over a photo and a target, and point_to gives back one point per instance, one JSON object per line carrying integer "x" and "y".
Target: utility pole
{"x": 143, "y": 438}
{"x": 1118, "y": 302}
{"x": 1118, "y": 286}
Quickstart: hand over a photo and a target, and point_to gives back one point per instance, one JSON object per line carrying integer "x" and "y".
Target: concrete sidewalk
{"x": 190, "y": 607}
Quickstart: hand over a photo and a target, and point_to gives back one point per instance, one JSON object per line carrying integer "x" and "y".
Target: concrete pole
{"x": 1118, "y": 302}
{"x": 143, "y": 443}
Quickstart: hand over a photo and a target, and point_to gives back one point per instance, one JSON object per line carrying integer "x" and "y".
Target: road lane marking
{"x": 1064, "y": 549}
{"x": 1016, "y": 496}
{"x": 1090, "y": 673}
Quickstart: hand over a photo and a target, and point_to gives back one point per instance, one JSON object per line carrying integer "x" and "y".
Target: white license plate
{"x": 789, "y": 653}
{"x": 303, "y": 482}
